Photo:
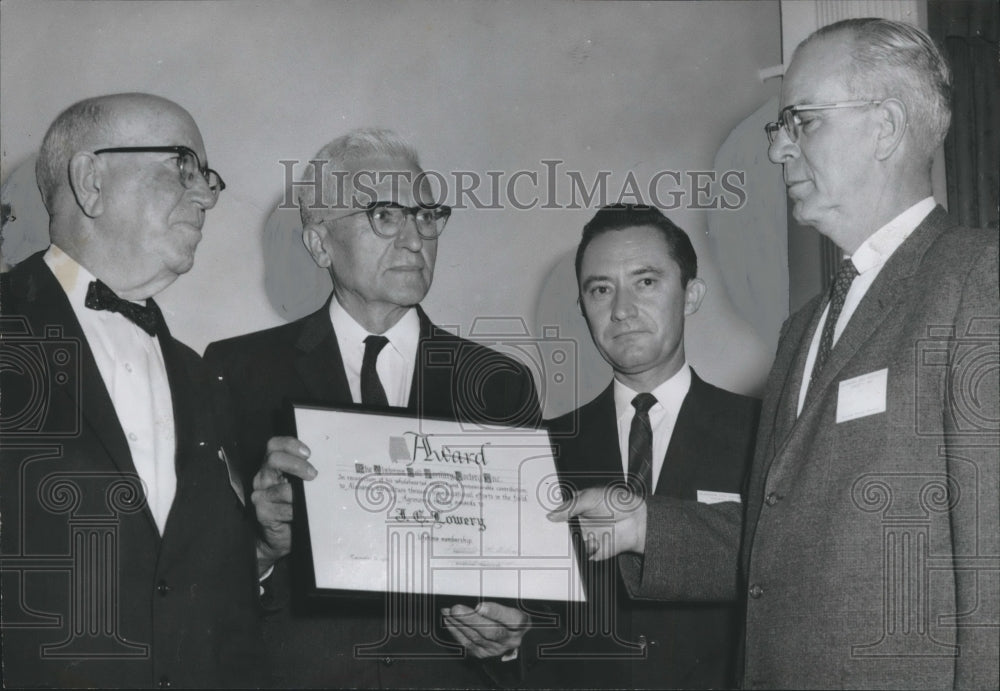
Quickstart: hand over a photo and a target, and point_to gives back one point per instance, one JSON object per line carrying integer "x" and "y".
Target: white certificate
{"x": 411, "y": 505}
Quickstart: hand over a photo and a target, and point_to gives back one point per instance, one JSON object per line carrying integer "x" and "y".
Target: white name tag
{"x": 862, "y": 396}
{"x": 709, "y": 497}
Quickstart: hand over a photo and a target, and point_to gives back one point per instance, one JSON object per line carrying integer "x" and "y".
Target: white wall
{"x": 480, "y": 86}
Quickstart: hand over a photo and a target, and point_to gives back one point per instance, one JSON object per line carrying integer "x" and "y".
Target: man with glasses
{"x": 128, "y": 550}
{"x": 872, "y": 530}
{"x": 373, "y": 225}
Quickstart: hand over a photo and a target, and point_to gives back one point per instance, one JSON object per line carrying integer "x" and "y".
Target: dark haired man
{"x": 659, "y": 429}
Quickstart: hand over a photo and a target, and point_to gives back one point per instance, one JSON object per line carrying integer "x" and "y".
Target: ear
{"x": 892, "y": 127}
{"x": 313, "y": 237}
{"x": 693, "y": 295}
{"x": 85, "y": 180}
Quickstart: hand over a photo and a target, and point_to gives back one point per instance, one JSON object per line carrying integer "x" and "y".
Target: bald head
{"x": 112, "y": 120}
{"x": 125, "y": 199}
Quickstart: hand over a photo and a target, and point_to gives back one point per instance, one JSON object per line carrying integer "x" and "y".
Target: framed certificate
{"x": 403, "y": 504}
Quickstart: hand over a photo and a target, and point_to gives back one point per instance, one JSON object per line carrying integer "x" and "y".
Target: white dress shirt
{"x": 131, "y": 364}
{"x": 868, "y": 259}
{"x": 395, "y": 361}
{"x": 662, "y": 416}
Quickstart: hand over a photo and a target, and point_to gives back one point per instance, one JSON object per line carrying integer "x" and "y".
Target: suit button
{"x": 387, "y": 661}
{"x": 756, "y": 591}
{"x": 771, "y": 499}
{"x": 164, "y": 682}
{"x": 162, "y": 588}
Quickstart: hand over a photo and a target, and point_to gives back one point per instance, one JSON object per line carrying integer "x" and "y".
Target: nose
{"x": 408, "y": 237}
{"x": 782, "y": 149}
{"x": 201, "y": 194}
{"x": 623, "y": 306}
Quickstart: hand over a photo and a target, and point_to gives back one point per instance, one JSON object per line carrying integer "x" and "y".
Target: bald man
{"x": 128, "y": 559}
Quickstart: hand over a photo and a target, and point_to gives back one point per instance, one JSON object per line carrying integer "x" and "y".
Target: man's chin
{"x": 802, "y": 215}
{"x": 408, "y": 289}
{"x": 408, "y": 298}
{"x": 183, "y": 263}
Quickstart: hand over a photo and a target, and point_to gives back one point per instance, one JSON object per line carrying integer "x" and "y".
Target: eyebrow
{"x": 646, "y": 270}
{"x": 589, "y": 280}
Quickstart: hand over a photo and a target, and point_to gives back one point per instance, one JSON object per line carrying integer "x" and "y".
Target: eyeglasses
{"x": 188, "y": 164}
{"x": 788, "y": 118}
{"x": 387, "y": 218}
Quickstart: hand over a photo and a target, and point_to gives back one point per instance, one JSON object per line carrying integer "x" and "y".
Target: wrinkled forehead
{"x": 818, "y": 72}
{"x": 391, "y": 179}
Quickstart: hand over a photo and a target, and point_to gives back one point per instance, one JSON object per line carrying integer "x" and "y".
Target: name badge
{"x": 709, "y": 497}
{"x": 862, "y": 396}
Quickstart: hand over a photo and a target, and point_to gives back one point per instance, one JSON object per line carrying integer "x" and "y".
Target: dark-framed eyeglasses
{"x": 387, "y": 218}
{"x": 789, "y": 119}
{"x": 188, "y": 164}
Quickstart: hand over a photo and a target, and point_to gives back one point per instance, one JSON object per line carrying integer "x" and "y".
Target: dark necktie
{"x": 838, "y": 293}
{"x": 146, "y": 317}
{"x": 372, "y": 392}
{"x": 640, "y": 446}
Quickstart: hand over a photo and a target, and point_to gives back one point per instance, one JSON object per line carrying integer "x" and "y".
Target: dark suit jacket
{"x": 620, "y": 642}
{"x": 92, "y": 595}
{"x": 454, "y": 378}
{"x": 871, "y": 546}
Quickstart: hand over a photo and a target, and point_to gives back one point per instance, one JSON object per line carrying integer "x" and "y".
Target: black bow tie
{"x": 146, "y": 317}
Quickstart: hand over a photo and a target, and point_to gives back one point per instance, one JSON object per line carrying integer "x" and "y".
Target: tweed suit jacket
{"x": 690, "y": 641}
{"x": 93, "y": 596}
{"x": 454, "y": 378}
{"x": 871, "y": 551}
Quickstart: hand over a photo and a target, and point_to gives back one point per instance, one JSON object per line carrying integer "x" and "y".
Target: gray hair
{"x": 69, "y": 133}
{"x": 358, "y": 144}
{"x": 898, "y": 60}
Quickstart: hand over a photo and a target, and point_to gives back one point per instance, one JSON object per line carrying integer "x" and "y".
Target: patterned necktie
{"x": 372, "y": 392}
{"x": 838, "y": 293}
{"x": 146, "y": 317}
{"x": 640, "y": 446}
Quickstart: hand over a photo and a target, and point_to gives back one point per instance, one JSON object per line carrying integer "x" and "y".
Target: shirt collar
{"x": 880, "y": 245}
{"x": 403, "y": 335}
{"x": 72, "y": 277}
{"x": 669, "y": 395}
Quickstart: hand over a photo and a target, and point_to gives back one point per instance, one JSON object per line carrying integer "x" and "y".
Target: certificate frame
{"x": 318, "y": 580}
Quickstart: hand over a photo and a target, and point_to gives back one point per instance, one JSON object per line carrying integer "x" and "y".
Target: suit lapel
{"x": 894, "y": 280}
{"x": 191, "y": 410}
{"x": 675, "y": 478}
{"x": 430, "y": 388}
{"x": 96, "y": 409}
{"x": 788, "y": 405}
{"x": 319, "y": 364}
{"x": 597, "y": 455}
{"x": 183, "y": 399}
